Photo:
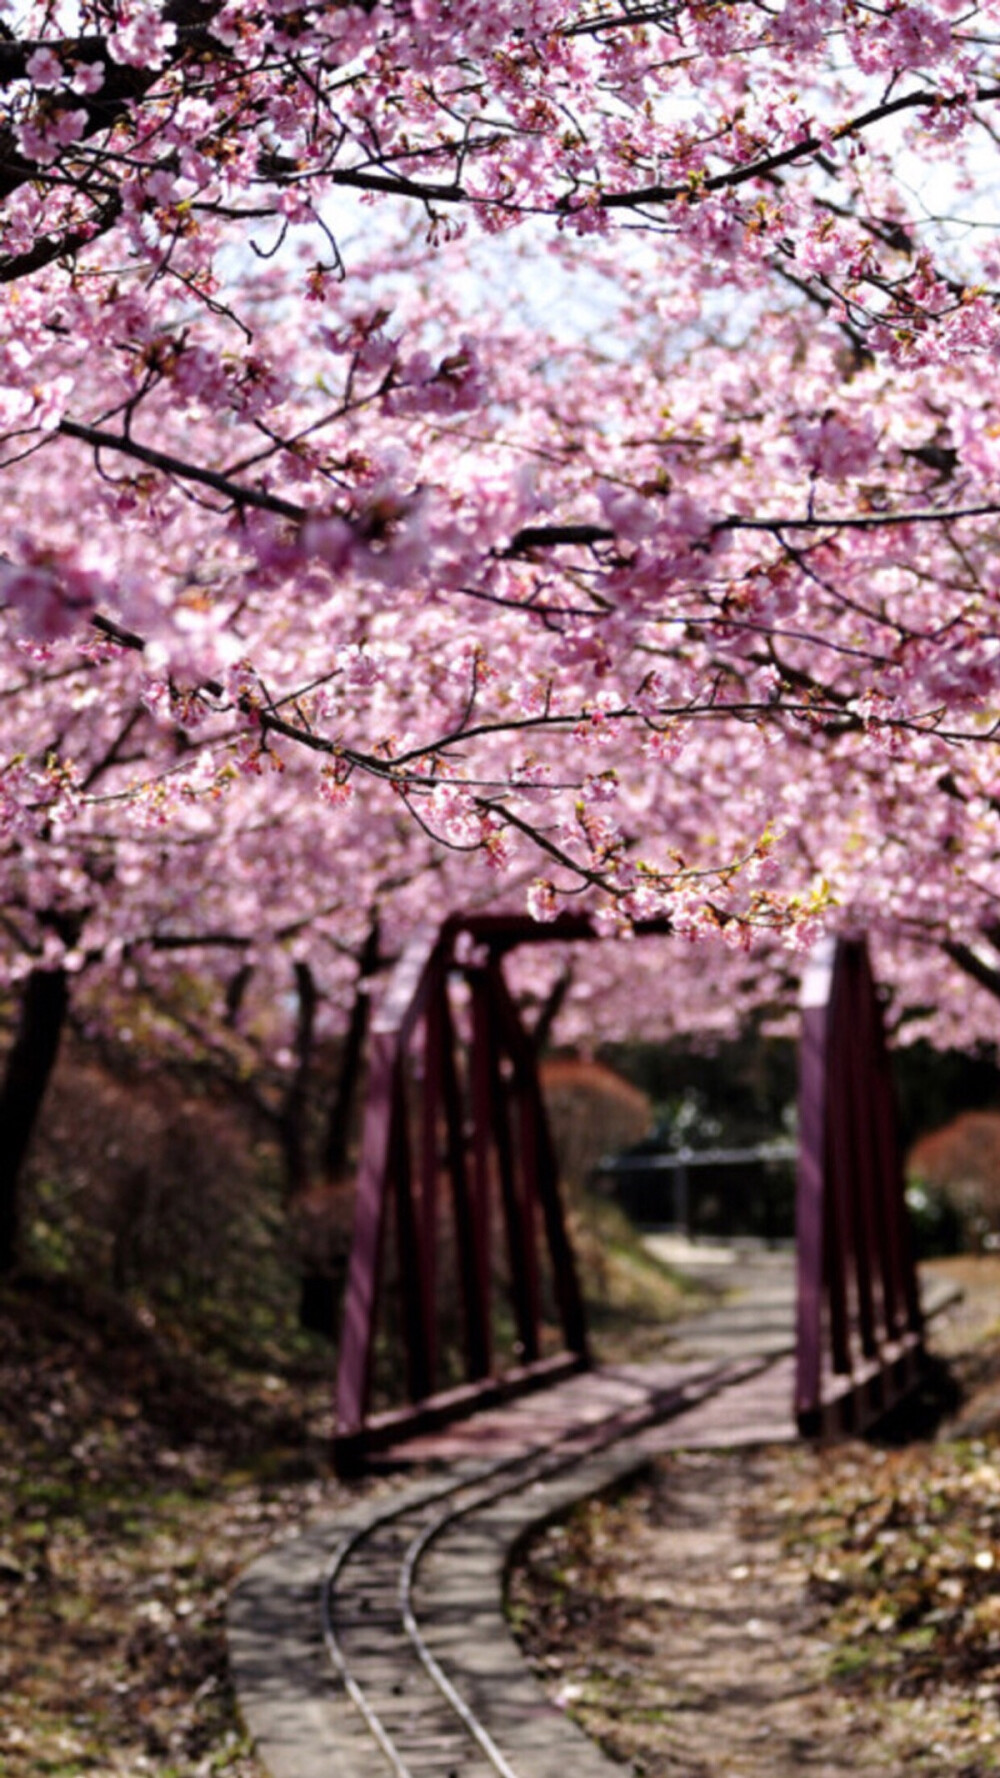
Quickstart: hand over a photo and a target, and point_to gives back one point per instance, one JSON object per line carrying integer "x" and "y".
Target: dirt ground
{"x": 791, "y": 1611}
{"x": 737, "y": 1614}
{"x": 133, "y": 1490}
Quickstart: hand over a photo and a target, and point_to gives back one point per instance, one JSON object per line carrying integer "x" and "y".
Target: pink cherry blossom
{"x": 445, "y": 435}
{"x": 44, "y": 69}
{"x": 142, "y": 37}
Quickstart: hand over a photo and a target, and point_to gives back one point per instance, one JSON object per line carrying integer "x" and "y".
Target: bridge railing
{"x": 475, "y": 1133}
{"x": 859, "y": 1334}
{"x": 722, "y": 1193}
{"x": 470, "y": 1143}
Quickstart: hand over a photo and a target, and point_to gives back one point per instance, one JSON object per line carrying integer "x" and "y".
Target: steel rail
{"x": 341, "y": 1555}
{"x": 476, "y": 1491}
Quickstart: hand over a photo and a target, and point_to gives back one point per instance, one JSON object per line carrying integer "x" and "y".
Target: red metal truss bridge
{"x": 457, "y": 1156}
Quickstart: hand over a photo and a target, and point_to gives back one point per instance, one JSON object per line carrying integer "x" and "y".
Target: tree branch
{"x": 192, "y": 472}
{"x": 969, "y": 961}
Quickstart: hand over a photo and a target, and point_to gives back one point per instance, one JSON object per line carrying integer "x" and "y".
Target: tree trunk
{"x": 338, "y": 1129}
{"x": 292, "y": 1120}
{"x": 553, "y": 1006}
{"x": 29, "y": 1065}
{"x": 236, "y": 989}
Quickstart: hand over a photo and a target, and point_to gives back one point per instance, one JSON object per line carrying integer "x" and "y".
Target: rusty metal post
{"x": 856, "y": 1060}
{"x": 840, "y": 1251}
{"x": 520, "y": 1250}
{"x": 430, "y": 1155}
{"x": 390, "y": 1030}
{"x": 482, "y": 1196}
{"x": 410, "y": 1268}
{"x": 477, "y": 1342}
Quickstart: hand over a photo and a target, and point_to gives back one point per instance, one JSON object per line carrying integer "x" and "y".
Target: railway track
{"x": 413, "y": 1636}
{"x": 378, "y": 1643}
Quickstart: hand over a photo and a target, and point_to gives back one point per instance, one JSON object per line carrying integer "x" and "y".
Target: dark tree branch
{"x": 184, "y": 471}
{"x": 987, "y": 975}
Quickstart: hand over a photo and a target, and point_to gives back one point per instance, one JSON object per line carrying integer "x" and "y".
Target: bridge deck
{"x": 752, "y": 1324}
{"x": 751, "y": 1409}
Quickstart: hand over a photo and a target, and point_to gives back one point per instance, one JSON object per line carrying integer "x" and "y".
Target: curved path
{"x": 377, "y": 1642}
{"x": 386, "y": 1626}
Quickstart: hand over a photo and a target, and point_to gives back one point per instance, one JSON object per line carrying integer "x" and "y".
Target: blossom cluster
{"x": 536, "y": 452}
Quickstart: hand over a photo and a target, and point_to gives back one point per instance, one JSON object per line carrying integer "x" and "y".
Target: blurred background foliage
{"x": 165, "y": 1181}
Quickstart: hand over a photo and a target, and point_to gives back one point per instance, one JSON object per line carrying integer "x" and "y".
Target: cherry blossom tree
{"x": 557, "y": 439}
{"x": 187, "y": 336}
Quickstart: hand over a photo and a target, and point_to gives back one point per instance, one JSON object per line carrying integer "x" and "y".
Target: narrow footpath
{"x": 378, "y": 1641}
